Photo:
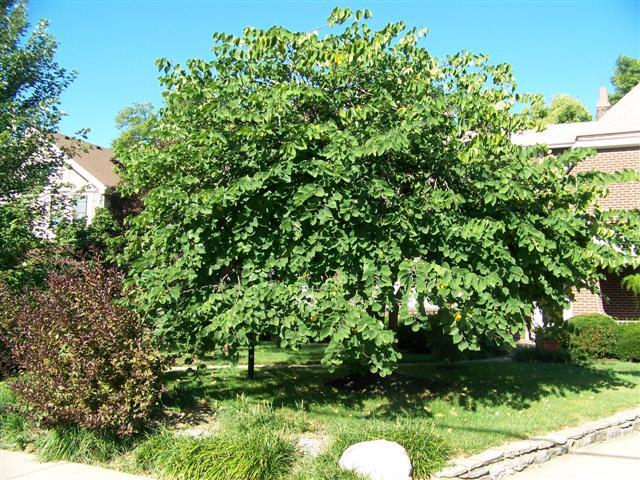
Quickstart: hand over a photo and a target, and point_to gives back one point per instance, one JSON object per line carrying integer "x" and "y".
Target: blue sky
{"x": 553, "y": 46}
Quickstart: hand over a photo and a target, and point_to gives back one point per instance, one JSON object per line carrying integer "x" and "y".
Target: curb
{"x": 497, "y": 463}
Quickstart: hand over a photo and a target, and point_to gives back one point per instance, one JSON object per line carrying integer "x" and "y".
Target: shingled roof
{"x": 96, "y": 160}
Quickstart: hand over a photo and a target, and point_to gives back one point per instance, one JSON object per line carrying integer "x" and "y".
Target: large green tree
{"x": 626, "y": 75}
{"x": 327, "y": 187}
{"x": 30, "y": 86}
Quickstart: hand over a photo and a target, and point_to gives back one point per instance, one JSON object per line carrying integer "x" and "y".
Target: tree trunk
{"x": 251, "y": 366}
{"x": 393, "y": 317}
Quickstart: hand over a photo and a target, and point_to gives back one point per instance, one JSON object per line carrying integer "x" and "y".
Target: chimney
{"x": 603, "y": 103}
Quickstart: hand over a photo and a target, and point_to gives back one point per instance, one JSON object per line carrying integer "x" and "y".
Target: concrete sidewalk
{"x": 24, "y": 466}
{"x": 617, "y": 459}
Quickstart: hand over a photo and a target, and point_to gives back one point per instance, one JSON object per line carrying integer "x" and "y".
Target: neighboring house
{"x": 615, "y": 135}
{"x": 89, "y": 174}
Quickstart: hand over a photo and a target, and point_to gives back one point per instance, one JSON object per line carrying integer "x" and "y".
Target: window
{"x": 81, "y": 208}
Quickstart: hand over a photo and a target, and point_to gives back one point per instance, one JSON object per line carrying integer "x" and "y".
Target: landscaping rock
{"x": 195, "y": 432}
{"x": 377, "y": 460}
{"x": 520, "y": 448}
{"x": 312, "y": 446}
{"x": 485, "y": 458}
{"x": 453, "y": 471}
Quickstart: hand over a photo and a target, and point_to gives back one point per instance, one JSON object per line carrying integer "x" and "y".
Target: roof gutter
{"x": 609, "y": 140}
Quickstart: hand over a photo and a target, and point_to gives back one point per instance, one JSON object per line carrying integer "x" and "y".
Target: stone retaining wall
{"x": 499, "y": 462}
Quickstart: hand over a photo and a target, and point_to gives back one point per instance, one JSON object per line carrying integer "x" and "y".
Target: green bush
{"x": 103, "y": 235}
{"x": 258, "y": 455}
{"x": 628, "y": 342}
{"x": 593, "y": 335}
{"x": 532, "y": 354}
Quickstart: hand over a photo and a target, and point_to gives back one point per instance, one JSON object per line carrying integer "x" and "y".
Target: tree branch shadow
{"x": 406, "y": 393}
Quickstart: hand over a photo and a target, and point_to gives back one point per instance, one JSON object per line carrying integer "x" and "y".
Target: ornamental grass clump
{"x": 80, "y": 445}
{"x": 244, "y": 416}
{"x": 258, "y": 455}
{"x": 14, "y": 428}
{"x": 87, "y": 361}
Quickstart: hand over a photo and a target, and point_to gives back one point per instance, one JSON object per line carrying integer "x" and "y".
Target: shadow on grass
{"x": 405, "y": 393}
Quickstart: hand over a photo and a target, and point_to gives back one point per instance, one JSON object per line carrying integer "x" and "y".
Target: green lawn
{"x": 472, "y": 406}
{"x": 436, "y": 411}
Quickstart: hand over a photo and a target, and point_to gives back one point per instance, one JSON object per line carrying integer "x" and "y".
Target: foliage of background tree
{"x": 136, "y": 123}
{"x": 315, "y": 187}
{"x": 562, "y": 109}
{"x": 626, "y": 75}
{"x": 30, "y": 86}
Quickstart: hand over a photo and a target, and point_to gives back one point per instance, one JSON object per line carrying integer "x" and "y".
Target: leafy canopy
{"x": 562, "y": 109}
{"x": 135, "y": 123}
{"x": 30, "y": 86}
{"x": 626, "y": 75}
{"x": 311, "y": 187}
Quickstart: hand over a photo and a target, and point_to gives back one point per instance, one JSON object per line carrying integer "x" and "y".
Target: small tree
{"x": 329, "y": 187}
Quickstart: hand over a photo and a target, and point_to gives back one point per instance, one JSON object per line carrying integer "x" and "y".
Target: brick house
{"x": 615, "y": 135}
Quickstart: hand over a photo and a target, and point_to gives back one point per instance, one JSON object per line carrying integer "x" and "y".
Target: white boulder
{"x": 377, "y": 460}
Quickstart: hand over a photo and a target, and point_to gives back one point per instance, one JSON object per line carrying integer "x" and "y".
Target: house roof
{"x": 96, "y": 160}
{"x": 620, "y": 125}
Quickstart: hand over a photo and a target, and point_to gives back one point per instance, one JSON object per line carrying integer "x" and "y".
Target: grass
{"x": 79, "y": 445}
{"x": 261, "y": 454}
{"x": 252, "y": 441}
{"x": 471, "y": 406}
{"x": 436, "y": 411}
{"x": 246, "y": 416}
{"x": 14, "y": 429}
